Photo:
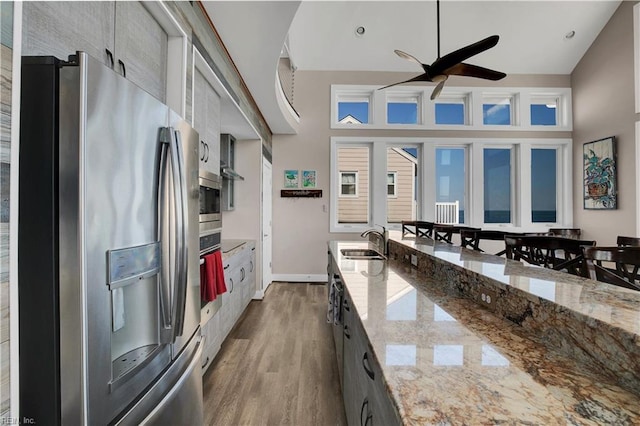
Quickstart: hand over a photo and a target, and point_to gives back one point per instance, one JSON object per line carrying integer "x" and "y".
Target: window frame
{"x": 474, "y": 193}
{"x": 472, "y": 98}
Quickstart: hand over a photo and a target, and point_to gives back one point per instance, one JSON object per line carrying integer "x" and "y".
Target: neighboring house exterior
{"x": 353, "y": 181}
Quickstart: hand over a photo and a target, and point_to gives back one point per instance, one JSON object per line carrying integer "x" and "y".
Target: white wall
{"x": 301, "y": 226}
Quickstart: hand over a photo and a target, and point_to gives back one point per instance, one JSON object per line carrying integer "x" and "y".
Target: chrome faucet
{"x": 382, "y": 238}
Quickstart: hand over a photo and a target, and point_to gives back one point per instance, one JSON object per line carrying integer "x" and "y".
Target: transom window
{"x": 462, "y": 108}
{"x": 496, "y": 110}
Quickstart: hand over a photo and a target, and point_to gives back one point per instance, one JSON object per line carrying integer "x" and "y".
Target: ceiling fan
{"x": 452, "y": 63}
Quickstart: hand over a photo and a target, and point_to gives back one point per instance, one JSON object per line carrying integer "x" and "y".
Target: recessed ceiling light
{"x": 570, "y": 35}
{"x": 360, "y": 31}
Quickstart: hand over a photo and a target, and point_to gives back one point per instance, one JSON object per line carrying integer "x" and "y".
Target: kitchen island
{"x": 446, "y": 359}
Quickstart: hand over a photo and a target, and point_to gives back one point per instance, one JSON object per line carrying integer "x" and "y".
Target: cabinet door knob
{"x": 367, "y": 369}
{"x": 206, "y": 149}
{"x": 346, "y": 332}
{"x": 205, "y": 363}
{"x": 203, "y": 150}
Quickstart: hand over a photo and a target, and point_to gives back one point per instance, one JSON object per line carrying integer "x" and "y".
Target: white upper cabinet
{"x": 206, "y": 117}
{"x": 145, "y": 42}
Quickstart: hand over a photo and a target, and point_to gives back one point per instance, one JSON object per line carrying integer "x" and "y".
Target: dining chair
{"x": 628, "y": 241}
{"x": 444, "y": 232}
{"x": 551, "y": 252}
{"x": 420, "y": 229}
{"x": 565, "y": 232}
{"x": 470, "y": 238}
{"x": 626, "y": 260}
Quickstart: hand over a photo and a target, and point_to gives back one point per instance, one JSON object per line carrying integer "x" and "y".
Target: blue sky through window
{"x": 499, "y": 114}
{"x": 449, "y": 113}
{"x": 542, "y": 115}
{"x": 402, "y": 113}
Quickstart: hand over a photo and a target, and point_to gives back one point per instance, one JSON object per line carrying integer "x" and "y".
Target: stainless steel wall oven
{"x": 210, "y": 203}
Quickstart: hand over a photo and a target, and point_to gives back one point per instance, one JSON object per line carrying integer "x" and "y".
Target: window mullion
{"x": 378, "y": 187}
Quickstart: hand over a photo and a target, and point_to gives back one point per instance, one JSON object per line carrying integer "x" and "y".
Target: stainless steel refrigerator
{"x": 109, "y": 300}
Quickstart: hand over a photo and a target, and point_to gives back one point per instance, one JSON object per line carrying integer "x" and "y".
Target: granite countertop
{"x": 446, "y": 360}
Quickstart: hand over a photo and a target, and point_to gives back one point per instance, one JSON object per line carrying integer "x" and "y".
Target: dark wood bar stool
{"x": 550, "y": 252}
{"x": 444, "y": 233}
{"x": 628, "y": 241}
{"x": 627, "y": 264}
{"x": 470, "y": 238}
{"x": 420, "y": 229}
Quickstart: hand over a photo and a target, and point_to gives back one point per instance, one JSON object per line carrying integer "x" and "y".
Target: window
{"x": 543, "y": 185}
{"x": 391, "y": 184}
{"x": 496, "y": 110}
{"x": 544, "y": 111}
{"x": 353, "y": 109}
{"x": 402, "y": 163}
{"x": 452, "y": 109}
{"x": 403, "y": 109}
{"x": 465, "y": 108}
{"x": 348, "y": 184}
{"x": 522, "y": 185}
{"x": 451, "y": 178}
{"x": 497, "y": 185}
{"x": 353, "y": 184}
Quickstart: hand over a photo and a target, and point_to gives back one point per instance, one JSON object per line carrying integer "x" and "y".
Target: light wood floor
{"x": 277, "y": 366}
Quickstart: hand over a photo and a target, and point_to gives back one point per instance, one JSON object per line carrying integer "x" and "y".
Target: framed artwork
{"x": 290, "y": 178}
{"x": 600, "y": 185}
{"x": 308, "y": 178}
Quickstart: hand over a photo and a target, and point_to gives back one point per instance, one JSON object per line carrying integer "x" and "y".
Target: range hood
{"x": 228, "y": 173}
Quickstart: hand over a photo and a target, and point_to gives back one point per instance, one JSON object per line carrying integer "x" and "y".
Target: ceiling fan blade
{"x": 438, "y": 89}
{"x": 469, "y": 70}
{"x": 405, "y": 55}
{"x": 462, "y": 54}
{"x": 421, "y": 77}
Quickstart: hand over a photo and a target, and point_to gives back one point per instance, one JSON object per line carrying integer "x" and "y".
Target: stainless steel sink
{"x": 362, "y": 254}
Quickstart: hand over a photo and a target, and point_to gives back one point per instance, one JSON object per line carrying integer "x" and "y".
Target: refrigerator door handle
{"x": 166, "y": 332}
{"x": 180, "y": 283}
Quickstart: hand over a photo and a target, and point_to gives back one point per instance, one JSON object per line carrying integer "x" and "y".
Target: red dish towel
{"x": 212, "y": 277}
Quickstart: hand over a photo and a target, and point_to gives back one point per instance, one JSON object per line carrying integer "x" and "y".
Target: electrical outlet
{"x": 488, "y": 298}
{"x": 414, "y": 260}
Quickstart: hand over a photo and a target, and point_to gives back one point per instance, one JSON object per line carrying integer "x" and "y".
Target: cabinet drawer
{"x": 209, "y": 310}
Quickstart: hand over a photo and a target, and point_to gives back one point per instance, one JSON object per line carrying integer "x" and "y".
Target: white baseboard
{"x": 259, "y": 295}
{"x": 300, "y": 278}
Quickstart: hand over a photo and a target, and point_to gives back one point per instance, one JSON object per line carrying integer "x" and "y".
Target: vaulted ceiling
{"x": 321, "y": 35}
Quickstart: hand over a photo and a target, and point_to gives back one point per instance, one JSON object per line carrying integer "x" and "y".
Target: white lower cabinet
{"x": 224, "y": 312}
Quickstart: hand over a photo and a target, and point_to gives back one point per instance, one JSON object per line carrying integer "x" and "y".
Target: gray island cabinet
{"x": 418, "y": 348}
